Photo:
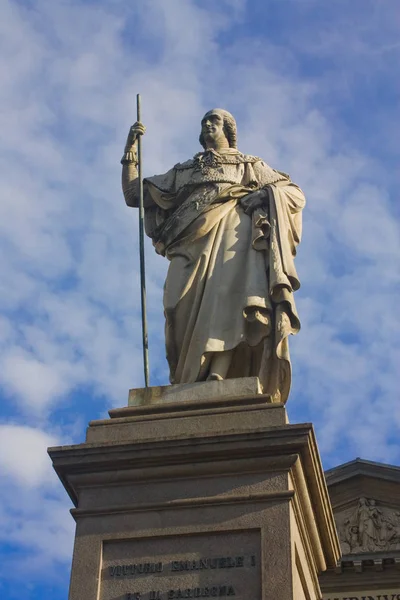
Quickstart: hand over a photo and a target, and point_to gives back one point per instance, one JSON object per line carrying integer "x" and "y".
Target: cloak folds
{"x": 231, "y": 277}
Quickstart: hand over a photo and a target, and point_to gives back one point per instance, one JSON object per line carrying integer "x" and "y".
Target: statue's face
{"x": 212, "y": 126}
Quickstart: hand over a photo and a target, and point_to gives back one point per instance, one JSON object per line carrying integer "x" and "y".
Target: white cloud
{"x": 23, "y": 455}
{"x": 34, "y": 513}
{"x": 40, "y": 382}
{"x": 42, "y": 529}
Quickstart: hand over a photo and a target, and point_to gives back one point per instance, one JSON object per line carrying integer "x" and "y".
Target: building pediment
{"x": 365, "y": 498}
{"x": 366, "y": 503}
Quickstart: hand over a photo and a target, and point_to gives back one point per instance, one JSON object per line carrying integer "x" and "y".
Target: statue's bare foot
{"x": 214, "y": 377}
{"x": 220, "y": 364}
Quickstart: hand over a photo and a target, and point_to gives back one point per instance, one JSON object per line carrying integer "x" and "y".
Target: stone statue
{"x": 229, "y": 225}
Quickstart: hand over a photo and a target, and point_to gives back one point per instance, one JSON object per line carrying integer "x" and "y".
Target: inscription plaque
{"x": 223, "y": 565}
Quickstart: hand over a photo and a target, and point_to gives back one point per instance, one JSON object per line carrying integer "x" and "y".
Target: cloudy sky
{"x": 313, "y": 85}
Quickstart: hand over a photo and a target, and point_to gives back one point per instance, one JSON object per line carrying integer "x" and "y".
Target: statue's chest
{"x": 207, "y": 172}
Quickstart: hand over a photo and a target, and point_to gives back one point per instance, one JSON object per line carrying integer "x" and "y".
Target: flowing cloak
{"x": 232, "y": 276}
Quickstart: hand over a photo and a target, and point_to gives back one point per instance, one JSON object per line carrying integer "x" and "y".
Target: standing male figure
{"x": 229, "y": 225}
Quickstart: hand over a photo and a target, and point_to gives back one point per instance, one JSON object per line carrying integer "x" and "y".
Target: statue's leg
{"x": 220, "y": 364}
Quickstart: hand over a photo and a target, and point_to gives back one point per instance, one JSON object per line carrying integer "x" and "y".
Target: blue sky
{"x": 313, "y": 86}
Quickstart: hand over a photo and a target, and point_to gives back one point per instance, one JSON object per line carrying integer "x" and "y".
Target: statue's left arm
{"x": 284, "y": 199}
{"x": 285, "y": 204}
{"x": 290, "y": 201}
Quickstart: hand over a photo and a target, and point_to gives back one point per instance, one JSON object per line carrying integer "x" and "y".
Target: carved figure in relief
{"x": 229, "y": 224}
{"x": 369, "y": 525}
{"x": 348, "y": 535}
{"x": 392, "y": 531}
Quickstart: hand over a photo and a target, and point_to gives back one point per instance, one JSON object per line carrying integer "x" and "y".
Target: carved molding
{"x": 368, "y": 528}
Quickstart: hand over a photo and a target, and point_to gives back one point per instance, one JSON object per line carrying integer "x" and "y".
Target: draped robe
{"x": 231, "y": 276}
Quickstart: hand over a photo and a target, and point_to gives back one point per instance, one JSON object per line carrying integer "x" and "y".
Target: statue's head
{"x": 218, "y": 123}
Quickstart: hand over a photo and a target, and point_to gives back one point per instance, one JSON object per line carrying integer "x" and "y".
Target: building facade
{"x": 365, "y": 498}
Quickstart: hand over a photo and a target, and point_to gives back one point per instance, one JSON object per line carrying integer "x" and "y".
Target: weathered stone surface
{"x": 227, "y": 389}
{"x": 247, "y": 497}
{"x": 200, "y": 409}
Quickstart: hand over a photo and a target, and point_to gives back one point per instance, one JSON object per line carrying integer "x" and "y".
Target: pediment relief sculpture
{"x": 368, "y": 528}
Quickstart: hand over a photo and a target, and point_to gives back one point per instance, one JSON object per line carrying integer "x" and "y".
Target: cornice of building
{"x": 363, "y": 467}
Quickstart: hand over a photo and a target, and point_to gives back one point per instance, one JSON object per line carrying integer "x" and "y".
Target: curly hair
{"x": 230, "y": 128}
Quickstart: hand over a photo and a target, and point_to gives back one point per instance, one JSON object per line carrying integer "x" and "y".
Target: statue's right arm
{"x": 130, "y": 184}
{"x": 130, "y": 181}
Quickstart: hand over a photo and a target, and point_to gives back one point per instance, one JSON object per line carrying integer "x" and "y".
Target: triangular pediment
{"x": 365, "y": 497}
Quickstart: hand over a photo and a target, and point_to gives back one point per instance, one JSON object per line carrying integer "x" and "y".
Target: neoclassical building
{"x": 365, "y": 498}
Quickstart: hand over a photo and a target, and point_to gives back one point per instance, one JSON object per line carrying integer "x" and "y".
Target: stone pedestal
{"x": 212, "y": 496}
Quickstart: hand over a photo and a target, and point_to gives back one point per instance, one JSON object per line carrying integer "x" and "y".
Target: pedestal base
{"x": 212, "y": 497}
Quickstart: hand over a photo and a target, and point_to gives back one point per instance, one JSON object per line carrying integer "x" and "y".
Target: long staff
{"x": 141, "y": 250}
